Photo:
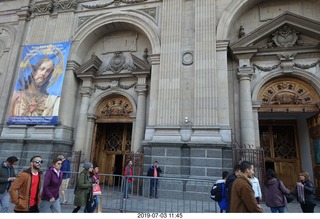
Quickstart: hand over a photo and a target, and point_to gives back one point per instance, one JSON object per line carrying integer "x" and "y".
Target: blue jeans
{"x": 277, "y": 209}
{"x": 126, "y": 189}
{"x": 92, "y": 208}
{"x": 50, "y": 207}
{"x": 4, "y": 202}
{"x": 153, "y": 185}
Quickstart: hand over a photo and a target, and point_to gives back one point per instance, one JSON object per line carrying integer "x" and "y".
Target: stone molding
{"x": 111, "y": 2}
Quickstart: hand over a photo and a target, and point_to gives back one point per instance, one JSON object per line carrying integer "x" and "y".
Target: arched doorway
{"x": 113, "y": 135}
{"x": 286, "y": 101}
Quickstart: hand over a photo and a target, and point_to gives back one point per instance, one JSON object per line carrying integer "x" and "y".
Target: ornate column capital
{"x": 42, "y": 7}
{"x": 141, "y": 89}
{"x": 245, "y": 73}
{"x": 86, "y": 91}
{"x": 67, "y": 5}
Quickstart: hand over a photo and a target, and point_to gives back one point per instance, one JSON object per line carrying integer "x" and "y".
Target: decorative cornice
{"x": 42, "y": 7}
{"x": 302, "y": 66}
{"x": 116, "y": 2}
{"x": 90, "y": 67}
{"x": 114, "y": 85}
{"x": 297, "y": 65}
{"x": 266, "y": 69}
{"x": 66, "y": 5}
{"x": 24, "y": 13}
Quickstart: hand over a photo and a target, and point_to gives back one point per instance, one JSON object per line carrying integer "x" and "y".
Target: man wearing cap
{"x": 154, "y": 171}
{"x": 7, "y": 176}
{"x": 25, "y": 189}
{"x": 65, "y": 169}
{"x": 83, "y": 190}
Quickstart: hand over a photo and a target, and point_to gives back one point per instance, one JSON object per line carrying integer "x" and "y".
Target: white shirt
{"x": 256, "y": 187}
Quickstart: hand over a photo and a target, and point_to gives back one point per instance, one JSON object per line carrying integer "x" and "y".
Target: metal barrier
{"x": 180, "y": 195}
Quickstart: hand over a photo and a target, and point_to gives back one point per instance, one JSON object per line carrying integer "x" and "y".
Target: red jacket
{"x": 23, "y": 185}
{"x": 128, "y": 172}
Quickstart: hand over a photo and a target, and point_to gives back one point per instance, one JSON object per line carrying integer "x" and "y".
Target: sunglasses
{"x": 38, "y": 161}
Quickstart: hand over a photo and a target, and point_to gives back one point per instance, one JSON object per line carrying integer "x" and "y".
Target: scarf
{"x": 300, "y": 189}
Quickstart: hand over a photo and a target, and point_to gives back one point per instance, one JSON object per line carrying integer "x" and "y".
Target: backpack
{"x": 217, "y": 192}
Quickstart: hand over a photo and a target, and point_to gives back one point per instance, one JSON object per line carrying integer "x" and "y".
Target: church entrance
{"x": 286, "y": 102}
{"x": 279, "y": 140}
{"x": 112, "y": 136}
{"x": 113, "y": 140}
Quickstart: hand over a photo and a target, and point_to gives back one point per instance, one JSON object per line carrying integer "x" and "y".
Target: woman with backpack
{"x": 274, "y": 191}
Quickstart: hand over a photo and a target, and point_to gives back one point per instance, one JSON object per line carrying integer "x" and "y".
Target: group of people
{"x": 242, "y": 191}
{"x": 24, "y": 190}
{"x": 154, "y": 172}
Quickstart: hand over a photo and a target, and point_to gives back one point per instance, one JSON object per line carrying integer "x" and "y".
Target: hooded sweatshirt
{"x": 274, "y": 193}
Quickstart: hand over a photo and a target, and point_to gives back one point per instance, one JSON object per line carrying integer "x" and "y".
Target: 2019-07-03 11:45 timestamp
{"x": 159, "y": 215}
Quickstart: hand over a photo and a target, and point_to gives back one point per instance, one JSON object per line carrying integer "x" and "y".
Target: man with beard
{"x": 242, "y": 195}
{"x": 33, "y": 99}
{"x": 25, "y": 190}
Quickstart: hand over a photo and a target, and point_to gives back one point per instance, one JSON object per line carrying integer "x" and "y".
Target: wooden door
{"x": 114, "y": 140}
{"x": 280, "y": 144}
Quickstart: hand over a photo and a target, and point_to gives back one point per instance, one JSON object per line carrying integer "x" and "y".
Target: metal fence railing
{"x": 181, "y": 195}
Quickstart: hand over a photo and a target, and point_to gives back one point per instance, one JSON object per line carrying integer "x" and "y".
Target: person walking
{"x": 50, "y": 202}
{"x": 128, "y": 180}
{"x": 25, "y": 190}
{"x": 274, "y": 191}
{"x": 154, "y": 171}
{"x": 7, "y": 176}
{"x": 242, "y": 194}
{"x": 304, "y": 191}
{"x": 223, "y": 204}
{"x": 228, "y": 185}
{"x": 96, "y": 182}
{"x": 83, "y": 189}
{"x": 256, "y": 188}
{"x": 65, "y": 168}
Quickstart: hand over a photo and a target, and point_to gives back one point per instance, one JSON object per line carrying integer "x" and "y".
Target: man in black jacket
{"x": 154, "y": 171}
{"x": 7, "y": 176}
{"x": 229, "y": 181}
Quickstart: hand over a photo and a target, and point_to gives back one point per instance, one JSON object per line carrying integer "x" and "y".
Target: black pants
{"x": 307, "y": 208}
{"x": 76, "y": 209}
{"x": 32, "y": 209}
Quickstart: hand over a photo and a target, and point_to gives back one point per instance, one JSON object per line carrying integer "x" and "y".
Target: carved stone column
{"x": 141, "y": 90}
{"x": 88, "y": 148}
{"x": 81, "y": 133}
{"x": 256, "y": 105}
{"x": 246, "y": 115}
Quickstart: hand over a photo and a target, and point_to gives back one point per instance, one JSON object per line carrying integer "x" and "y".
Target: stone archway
{"x": 288, "y": 94}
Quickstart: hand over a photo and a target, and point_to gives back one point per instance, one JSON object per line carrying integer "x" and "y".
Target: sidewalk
{"x": 293, "y": 207}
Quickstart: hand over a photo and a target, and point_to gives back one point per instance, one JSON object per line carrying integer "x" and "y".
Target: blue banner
{"x": 36, "y": 97}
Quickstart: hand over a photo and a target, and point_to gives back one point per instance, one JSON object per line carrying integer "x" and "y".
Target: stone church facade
{"x": 180, "y": 81}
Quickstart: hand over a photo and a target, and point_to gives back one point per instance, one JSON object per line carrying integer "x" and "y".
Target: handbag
{"x": 290, "y": 197}
{"x": 96, "y": 189}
